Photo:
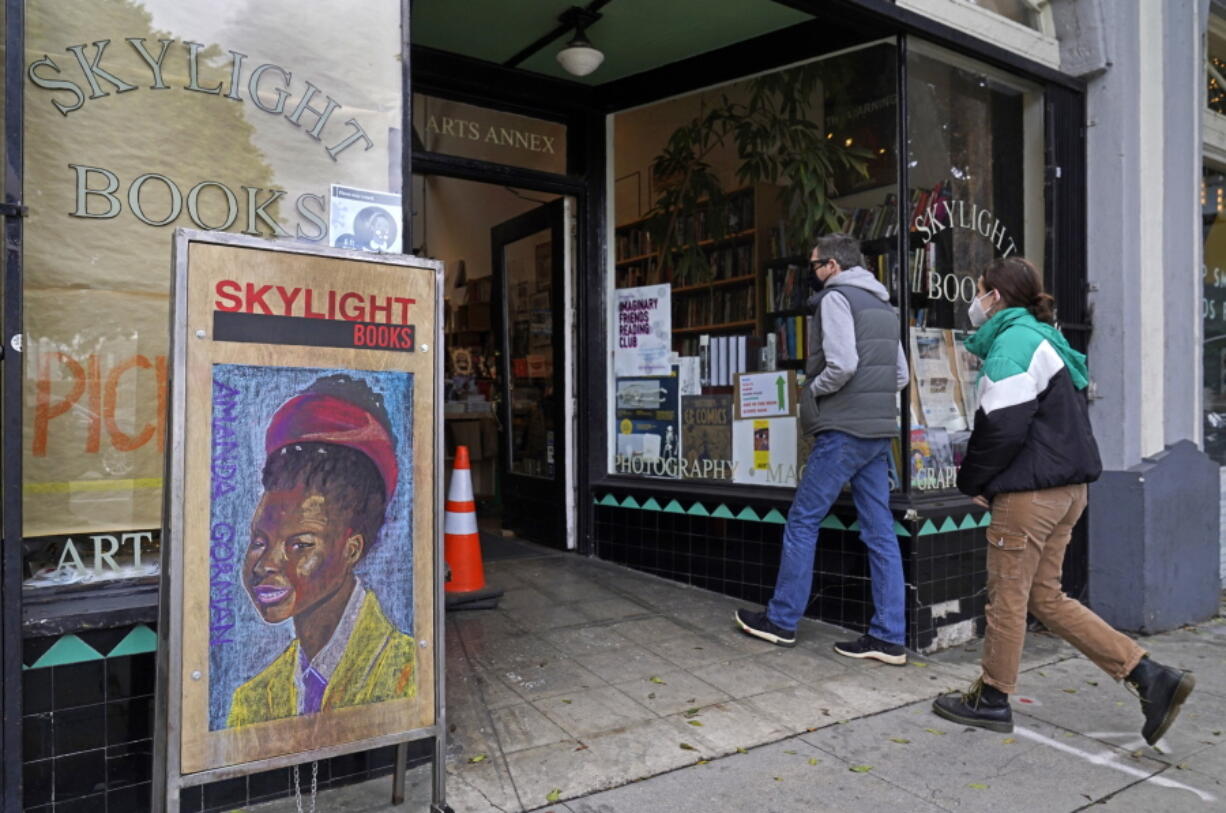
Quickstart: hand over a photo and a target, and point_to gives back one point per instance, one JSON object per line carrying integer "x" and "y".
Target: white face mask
{"x": 976, "y": 312}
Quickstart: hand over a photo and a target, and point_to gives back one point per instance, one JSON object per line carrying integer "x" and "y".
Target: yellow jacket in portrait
{"x": 377, "y": 665}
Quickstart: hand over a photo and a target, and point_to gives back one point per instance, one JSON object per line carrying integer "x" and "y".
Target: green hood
{"x": 982, "y": 340}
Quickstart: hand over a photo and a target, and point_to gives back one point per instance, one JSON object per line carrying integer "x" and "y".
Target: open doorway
{"x": 508, "y": 324}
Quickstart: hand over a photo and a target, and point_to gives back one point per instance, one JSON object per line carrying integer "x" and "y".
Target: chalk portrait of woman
{"x": 329, "y": 473}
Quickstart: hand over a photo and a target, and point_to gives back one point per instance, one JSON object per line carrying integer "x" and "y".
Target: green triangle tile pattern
{"x": 928, "y": 528}
{"x": 899, "y": 530}
{"x": 749, "y": 515}
{"x": 630, "y": 502}
{"x": 948, "y": 525}
{"x": 651, "y": 505}
{"x": 968, "y": 523}
{"x": 775, "y": 517}
{"x": 609, "y": 499}
{"x": 854, "y": 526}
{"x": 986, "y": 520}
{"x": 723, "y": 512}
{"x": 69, "y": 649}
{"x": 832, "y": 523}
{"x": 137, "y": 642}
{"x": 674, "y": 507}
{"x": 699, "y": 510}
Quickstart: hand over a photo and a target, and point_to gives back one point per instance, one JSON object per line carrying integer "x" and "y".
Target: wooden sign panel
{"x": 299, "y": 589}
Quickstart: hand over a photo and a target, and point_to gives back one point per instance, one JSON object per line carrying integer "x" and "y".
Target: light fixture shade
{"x": 579, "y": 57}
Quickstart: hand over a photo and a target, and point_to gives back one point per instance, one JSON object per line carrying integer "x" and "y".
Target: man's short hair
{"x": 841, "y": 247}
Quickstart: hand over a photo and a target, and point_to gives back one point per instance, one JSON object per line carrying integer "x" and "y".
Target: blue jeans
{"x": 837, "y": 458}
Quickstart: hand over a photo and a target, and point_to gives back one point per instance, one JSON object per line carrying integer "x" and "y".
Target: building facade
{"x": 626, "y": 316}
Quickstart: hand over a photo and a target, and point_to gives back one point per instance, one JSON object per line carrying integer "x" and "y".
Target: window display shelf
{"x": 716, "y": 328}
{"x": 706, "y": 286}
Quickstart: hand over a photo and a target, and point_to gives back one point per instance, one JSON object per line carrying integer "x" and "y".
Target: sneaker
{"x": 866, "y": 646}
{"x": 982, "y": 706}
{"x": 1162, "y": 691}
{"x": 759, "y": 626}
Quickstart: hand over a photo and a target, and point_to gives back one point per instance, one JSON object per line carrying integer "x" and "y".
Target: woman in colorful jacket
{"x": 1030, "y": 457}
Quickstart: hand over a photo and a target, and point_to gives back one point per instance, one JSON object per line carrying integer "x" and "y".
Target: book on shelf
{"x": 790, "y": 337}
{"x": 713, "y": 306}
{"x": 727, "y": 356}
{"x": 873, "y": 222}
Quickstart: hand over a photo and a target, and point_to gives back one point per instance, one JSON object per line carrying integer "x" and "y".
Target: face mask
{"x": 816, "y": 282}
{"x": 976, "y": 313}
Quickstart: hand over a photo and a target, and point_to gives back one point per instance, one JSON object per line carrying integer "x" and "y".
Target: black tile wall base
{"x": 87, "y": 739}
{"x": 945, "y": 572}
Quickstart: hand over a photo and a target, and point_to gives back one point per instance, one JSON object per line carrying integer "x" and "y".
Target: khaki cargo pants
{"x": 1029, "y": 533}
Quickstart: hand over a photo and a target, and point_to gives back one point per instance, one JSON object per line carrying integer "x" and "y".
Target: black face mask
{"x": 816, "y": 282}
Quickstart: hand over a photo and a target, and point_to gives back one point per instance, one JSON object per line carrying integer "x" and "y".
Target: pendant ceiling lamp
{"x": 579, "y": 57}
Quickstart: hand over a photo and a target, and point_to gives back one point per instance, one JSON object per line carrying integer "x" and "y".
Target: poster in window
{"x": 648, "y": 434}
{"x": 644, "y": 322}
{"x": 706, "y": 436}
{"x": 365, "y": 220}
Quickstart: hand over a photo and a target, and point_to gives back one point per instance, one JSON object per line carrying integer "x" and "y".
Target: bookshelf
{"x": 723, "y": 297}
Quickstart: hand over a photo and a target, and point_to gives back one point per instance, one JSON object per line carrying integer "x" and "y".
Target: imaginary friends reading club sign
{"x": 305, "y": 533}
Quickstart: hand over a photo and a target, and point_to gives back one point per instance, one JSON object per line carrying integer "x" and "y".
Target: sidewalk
{"x": 591, "y": 677}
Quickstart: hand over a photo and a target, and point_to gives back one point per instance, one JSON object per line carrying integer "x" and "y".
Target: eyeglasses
{"x": 816, "y": 264}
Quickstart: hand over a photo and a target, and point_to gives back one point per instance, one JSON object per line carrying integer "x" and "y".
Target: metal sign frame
{"x": 168, "y": 777}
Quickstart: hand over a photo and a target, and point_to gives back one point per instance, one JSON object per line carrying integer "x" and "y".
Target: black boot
{"x": 1162, "y": 691}
{"x": 982, "y": 706}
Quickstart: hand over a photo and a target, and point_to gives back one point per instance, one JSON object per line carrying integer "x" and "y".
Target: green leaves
{"x": 656, "y": 679}
{"x": 473, "y": 760}
{"x": 553, "y": 795}
{"x": 860, "y": 768}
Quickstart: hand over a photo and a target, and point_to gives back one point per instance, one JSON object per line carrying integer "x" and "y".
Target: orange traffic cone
{"x": 465, "y": 586}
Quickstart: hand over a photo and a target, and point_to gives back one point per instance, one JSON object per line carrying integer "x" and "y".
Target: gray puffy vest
{"x": 867, "y": 405}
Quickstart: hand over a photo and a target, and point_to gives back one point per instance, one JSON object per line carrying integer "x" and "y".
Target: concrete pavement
{"x": 596, "y": 689}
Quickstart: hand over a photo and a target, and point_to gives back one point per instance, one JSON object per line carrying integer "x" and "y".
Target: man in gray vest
{"x": 854, "y": 368}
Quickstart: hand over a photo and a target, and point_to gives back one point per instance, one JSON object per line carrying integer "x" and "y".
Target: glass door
{"x": 530, "y": 254}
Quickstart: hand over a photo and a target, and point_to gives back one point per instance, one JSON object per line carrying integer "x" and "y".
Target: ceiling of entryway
{"x": 635, "y": 35}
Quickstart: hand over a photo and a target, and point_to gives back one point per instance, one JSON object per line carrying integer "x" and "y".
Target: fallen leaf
{"x": 900, "y": 740}
{"x": 1010, "y": 740}
{"x": 1217, "y": 733}
{"x": 473, "y": 760}
{"x": 582, "y": 746}
{"x": 568, "y": 702}
{"x": 1069, "y": 691}
{"x": 1042, "y": 673}
{"x": 553, "y": 795}
{"x": 936, "y": 731}
{"x": 651, "y": 695}
{"x": 778, "y": 778}
{"x": 814, "y": 760}
{"x": 656, "y": 679}
{"x": 691, "y": 712}
{"x": 1181, "y": 767}
{"x": 702, "y": 762}
{"x": 792, "y": 753}
{"x": 978, "y": 786}
{"x": 740, "y": 750}
{"x": 1092, "y": 682}
{"x": 920, "y": 664}
{"x": 695, "y": 723}
{"x": 685, "y": 746}
{"x": 825, "y": 712}
{"x": 861, "y": 768}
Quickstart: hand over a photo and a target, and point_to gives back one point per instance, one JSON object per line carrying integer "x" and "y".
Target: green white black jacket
{"x": 1032, "y": 429}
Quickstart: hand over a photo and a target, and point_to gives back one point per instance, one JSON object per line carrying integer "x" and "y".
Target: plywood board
{"x": 305, "y": 467}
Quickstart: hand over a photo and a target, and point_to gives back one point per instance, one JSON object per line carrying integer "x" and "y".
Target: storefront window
{"x": 1213, "y": 215}
{"x": 145, "y": 116}
{"x": 975, "y": 171}
{"x": 718, "y": 198}
{"x": 1215, "y": 65}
